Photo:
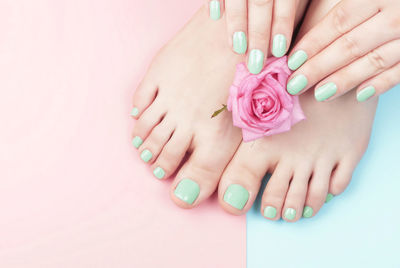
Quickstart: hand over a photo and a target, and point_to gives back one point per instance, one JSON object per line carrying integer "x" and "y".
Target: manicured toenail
{"x": 135, "y": 111}
{"x": 325, "y": 91}
{"x": 297, "y": 59}
{"x": 159, "y": 173}
{"x": 256, "y": 61}
{"x": 329, "y": 198}
{"x": 146, "y": 155}
{"x": 137, "y": 141}
{"x": 187, "y": 191}
{"x": 307, "y": 212}
{"x": 215, "y": 9}
{"x": 236, "y": 196}
{"x": 269, "y": 212}
{"x": 365, "y": 93}
{"x": 296, "y": 84}
{"x": 290, "y": 214}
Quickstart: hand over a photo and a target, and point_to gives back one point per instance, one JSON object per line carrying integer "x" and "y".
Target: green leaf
{"x": 224, "y": 107}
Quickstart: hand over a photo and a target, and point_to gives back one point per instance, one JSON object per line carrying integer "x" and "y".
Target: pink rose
{"x": 259, "y": 103}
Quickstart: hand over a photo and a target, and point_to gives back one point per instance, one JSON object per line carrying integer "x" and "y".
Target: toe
{"x": 172, "y": 154}
{"x": 143, "y": 97}
{"x": 318, "y": 187}
{"x": 296, "y": 195}
{"x": 341, "y": 177}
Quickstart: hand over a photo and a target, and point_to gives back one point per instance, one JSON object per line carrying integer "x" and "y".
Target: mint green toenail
{"x": 256, "y": 61}
{"x": 307, "y": 212}
{"x": 329, "y": 198}
{"x": 297, "y": 59}
{"x": 187, "y": 191}
{"x": 215, "y": 10}
{"x": 296, "y": 84}
{"x": 146, "y": 155}
{"x": 239, "y": 42}
{"x": 135, "y": 111}
{"x": 365, "y": 93}
{"x": 290, "y": 214}
{"x": 137, "y": 141}
{"x": 159, "y": 173}
{"x": 269, "y": 212}
{"x": 236, "y": 196}
{"x": 279, "y": 45}
{"x": 325, "y": 91}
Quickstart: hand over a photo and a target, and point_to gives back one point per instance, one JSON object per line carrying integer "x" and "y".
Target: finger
{"x": 364, "y": 68}
{"x": 215, "y": 8}
{"x": 259, "y": 26}
{"x": 340, "y": 20}
{"x": 343, "y": 51}
{"x": 282, "y": 26}
{"x": 379, "y": 84}
{"x": 236, "y": 19}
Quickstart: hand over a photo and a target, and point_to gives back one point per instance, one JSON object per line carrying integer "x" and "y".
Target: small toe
{"x": 341, "y": 177}
{"x": 144, "y": 96}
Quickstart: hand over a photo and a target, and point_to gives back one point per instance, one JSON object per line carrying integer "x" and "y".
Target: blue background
{"x": 359, "y": 228}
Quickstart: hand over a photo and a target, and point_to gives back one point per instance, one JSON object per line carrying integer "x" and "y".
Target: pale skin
{"x": 188, "y": 80}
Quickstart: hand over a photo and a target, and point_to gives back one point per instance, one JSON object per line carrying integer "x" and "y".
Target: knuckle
{"x": 351, "y": 47}
{"x": 340, "y": 20}
{"x": 260, "y": 3}
{"x": 376, "y": 60}
{"x": 260, "y": 38}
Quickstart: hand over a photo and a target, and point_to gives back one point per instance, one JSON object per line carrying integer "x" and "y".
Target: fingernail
{"x": 269, "y": 212}
{"x": 325, "y": 91}
{"x": 296, "y": 84}
{"x": 279, "y": 45}
{"x": 365, "y": 93}
{"x": 137, "y": 141}
{"x": 187, "y": 191}
{"x": 135, "y": 111}
{"x": 239, "y": 42}
{"x": 290, "y": 213}
{"x": 307, "y": 212}
{"x": 256, "y": 61}
{"x": 236, "y": 196}
{"x": 215, "y": 10}
{"x": 297, "y": 59}
{"x": 146, "y": 155}
{"x": 159, "y": 173}
{"x": 329, "y": 198}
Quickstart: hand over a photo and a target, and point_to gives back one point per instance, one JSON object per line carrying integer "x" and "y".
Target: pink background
{"x": 73, "y": 192}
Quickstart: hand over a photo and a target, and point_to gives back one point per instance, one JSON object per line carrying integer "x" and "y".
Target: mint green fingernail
{"x": 290, "y": 213}
{"x": 146, "y": 155}
{"x": 256, "y": 61}
{"x": 279, "y": 45}
{"x": 325, "y": 91}
{"x": 215, "y": 10}
{"x": 135, "y": 111}
{"x": 187, "y": 191}
{"x": 365, "y": 93}
{"x": 236, "y": 196}
{"x": 159, "y": 173}
{"x": 239, "y": 42}
{"x": 137, "y": 141}
{"x": 269, "y": 212}
{"x": 307, "y": 212}
{"x": 297, "y": 59}
{"x": 296, "y": 84}
{"x": 329, "y": 198}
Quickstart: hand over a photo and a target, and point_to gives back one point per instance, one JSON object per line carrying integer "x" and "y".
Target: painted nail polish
{"x": 279, "y": 45}
{"x": 290, "y": 214}
{"x": 239, "y": 42}
{"x": 329, "y": 198}
{"x": 215, "y": 9}
{"x": 296, "y": 84}
{"x": 236, "y": 196}
{"x": 365, "y": 93}
{"x": 146, "y": 155}
{"x": 187, "y": 191}
{"x": 137, "y": 141}
{"x": 159, "y": 173}
{"x": 255, "y": 61}
{"x": 325, "y": 91}
{"x": 307, "y": 212}
{"x": 135, "y": 111}
{"x": 269, "y": 212}
{"x": 297, "y": 59}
